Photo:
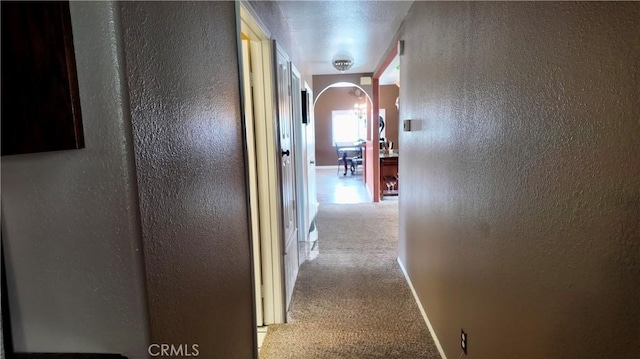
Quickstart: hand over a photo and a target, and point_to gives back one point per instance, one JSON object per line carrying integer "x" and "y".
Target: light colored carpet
{"x": 352, "y": 301}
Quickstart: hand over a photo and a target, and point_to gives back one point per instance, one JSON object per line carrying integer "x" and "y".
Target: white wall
{"x": 70, "y": 219}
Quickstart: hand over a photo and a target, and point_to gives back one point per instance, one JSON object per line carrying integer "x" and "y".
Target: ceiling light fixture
{"x": 360, "y": 109}
{"x": 342, "y": 64}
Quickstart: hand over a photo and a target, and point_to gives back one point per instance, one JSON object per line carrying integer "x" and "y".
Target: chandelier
{"x": 342, "y": 64}
{"x": 360, "y": 109}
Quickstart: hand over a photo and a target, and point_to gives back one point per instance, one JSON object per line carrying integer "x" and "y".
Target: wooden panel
{"x": 388, "y": 175}
{"x": 40, "y": 102}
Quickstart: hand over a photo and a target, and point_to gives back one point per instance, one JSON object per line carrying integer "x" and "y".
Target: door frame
{"x": 266, "y": 165}
{"x": 284, "y": 119}
{"x": 301, "y": 160}
{"x": 389, "y": 55}
{"x": 310, "y": 135}
{"x": 252, "y": 177}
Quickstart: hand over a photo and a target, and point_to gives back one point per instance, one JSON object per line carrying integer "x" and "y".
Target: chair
{"x": 355, "y": 162}
{"x": 349, "y": 155}
{"x": 343, "y": 160}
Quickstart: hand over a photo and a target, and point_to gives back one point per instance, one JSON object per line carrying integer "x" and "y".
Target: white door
{"x": 287, "y": 173}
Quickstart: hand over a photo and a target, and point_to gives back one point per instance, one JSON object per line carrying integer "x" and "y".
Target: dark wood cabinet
{"x": 389, "y": 174}
{"x": 40, "y": 101}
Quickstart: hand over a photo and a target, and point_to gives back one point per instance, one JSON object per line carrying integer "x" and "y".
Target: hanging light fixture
{"x": 360, "y": 109}
{"x": 342, "y": 63}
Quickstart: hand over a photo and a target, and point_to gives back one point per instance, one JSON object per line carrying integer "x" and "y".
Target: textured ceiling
{"x": 362, "y": 30}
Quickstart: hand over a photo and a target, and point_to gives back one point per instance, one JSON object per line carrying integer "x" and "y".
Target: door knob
{"x": 286, "y": 153}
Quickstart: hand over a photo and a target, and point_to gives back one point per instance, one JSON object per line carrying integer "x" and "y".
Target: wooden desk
{"x": 389, "y": 174}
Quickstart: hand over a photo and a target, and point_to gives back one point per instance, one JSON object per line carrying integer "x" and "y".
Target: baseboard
{"x": 313, "y": 235}
{"x": 327, "y": 167}
{"x": 424, "y": 314}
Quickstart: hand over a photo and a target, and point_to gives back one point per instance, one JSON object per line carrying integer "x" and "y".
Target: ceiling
{"x": 361, "y": 29}
{"x": 391, "y": 74}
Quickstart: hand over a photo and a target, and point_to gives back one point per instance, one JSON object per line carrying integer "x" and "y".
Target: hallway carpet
{"x": 352, "y": 301}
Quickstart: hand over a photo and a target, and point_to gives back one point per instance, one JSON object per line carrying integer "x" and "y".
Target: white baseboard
{"x": 424, "y": 314}
{"x": 335, "y": 167}
{"x": 313, "y": 235}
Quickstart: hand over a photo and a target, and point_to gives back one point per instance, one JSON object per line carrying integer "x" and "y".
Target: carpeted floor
{"x": 352, "y": 301}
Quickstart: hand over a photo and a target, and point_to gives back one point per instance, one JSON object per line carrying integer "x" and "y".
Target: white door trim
{"x": 312, "y": 208}
{"x": 300, "y": 145}
{"x": 252, "y": 180}
{"x": 266, "y": 165}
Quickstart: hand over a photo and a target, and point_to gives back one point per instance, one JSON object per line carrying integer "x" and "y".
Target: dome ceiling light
{"x": 342, "y": 64}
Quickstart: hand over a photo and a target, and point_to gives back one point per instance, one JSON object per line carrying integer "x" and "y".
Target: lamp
{"x": 342, "y": 64}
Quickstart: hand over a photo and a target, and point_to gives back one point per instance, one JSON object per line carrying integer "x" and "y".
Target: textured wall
{"x": 521, "y": 183}
{"x": 70, "y": 218}
{"x": 182, "y": 67}
{"x": 271, "y": 16}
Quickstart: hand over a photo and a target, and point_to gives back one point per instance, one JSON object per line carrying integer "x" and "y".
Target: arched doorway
{"x": 343, "y": 112}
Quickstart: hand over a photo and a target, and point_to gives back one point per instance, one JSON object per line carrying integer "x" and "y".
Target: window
{"x": 347, "y": 127}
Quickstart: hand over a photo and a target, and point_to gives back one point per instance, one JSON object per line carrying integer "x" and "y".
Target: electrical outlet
{"x": 463, "y": 341}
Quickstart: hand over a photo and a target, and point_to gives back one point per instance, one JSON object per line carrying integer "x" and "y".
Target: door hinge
{"x": 251, "y": 79}
{"x": 262, "y": 291}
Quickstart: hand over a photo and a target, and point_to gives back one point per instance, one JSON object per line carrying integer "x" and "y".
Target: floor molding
{"x": 424, "y": 314}
{"x": 262, "y": 332}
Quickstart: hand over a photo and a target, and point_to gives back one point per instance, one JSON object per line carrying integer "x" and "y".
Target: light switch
{"x": 406, "y": 125}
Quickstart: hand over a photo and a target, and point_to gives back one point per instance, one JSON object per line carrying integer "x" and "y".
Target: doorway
{"x": 257, "y": 75}
{"x": 343, "y": 118}
{"x": 276, "y": 162}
